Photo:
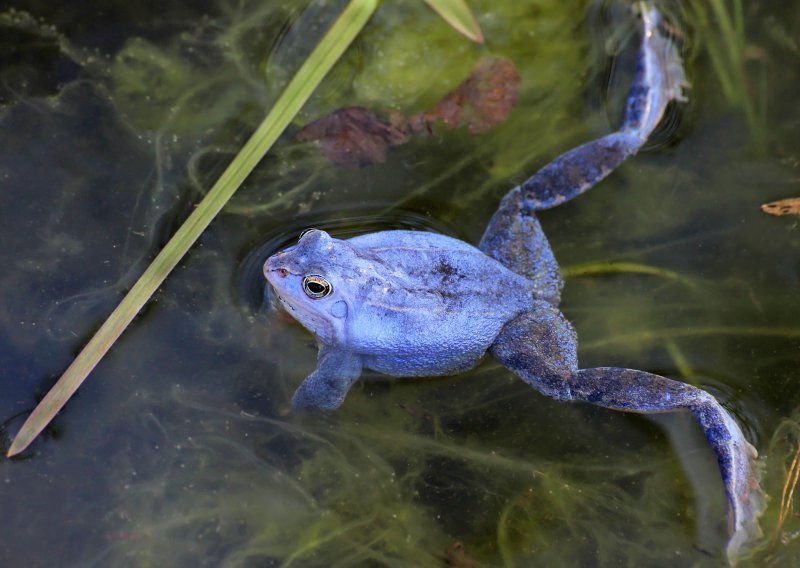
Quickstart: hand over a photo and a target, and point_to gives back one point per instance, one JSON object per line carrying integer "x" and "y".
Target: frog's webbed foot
{"x": 637, "y": 391}
{"x": 659, "y": 78}
{"x": 540, "y": 348}
{"x": 327, "y": 386}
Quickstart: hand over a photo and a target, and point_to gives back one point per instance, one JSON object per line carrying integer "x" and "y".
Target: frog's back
{"x": 410, "y": 240}
{"x": 430, "y": 261}
{"x": 436, "y": 304}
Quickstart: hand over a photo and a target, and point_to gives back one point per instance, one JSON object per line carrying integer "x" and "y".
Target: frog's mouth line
{"x": 308, "y": 318}
{"x": 284, "y": 303}
{"x": 290, "y": 309}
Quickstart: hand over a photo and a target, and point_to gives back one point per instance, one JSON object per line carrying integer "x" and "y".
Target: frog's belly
{"x": 426, "y": 348}
{"x": 423, "y": 364}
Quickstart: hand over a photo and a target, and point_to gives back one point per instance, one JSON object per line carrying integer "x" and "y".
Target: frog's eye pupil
{"x": 316, "y": 286}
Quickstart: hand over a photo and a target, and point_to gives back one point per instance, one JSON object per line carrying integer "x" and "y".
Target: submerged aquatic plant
{"x": 389, "y": 480}
{"x": 787, "y": 493}
{"x": 730, "y": 55}
{"x": 784, "y": 455}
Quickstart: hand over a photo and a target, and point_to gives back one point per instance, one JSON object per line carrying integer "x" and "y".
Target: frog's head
{"x": 316, "y": 281}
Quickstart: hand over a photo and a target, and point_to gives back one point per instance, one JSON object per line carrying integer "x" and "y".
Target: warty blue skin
{"x": 410, "y": 303}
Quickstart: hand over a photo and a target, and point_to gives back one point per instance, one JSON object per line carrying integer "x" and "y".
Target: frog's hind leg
{"x": 658, "y": 79}
{"x": 516, "y": 239}
{"x": 540, "y": 347}
{"x": 514, "y": 236}
{"x": 637, "y": 391}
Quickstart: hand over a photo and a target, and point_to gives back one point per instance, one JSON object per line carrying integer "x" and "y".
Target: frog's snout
{"x": 274, "y": 268}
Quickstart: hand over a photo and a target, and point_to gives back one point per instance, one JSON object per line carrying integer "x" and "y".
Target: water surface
{"x": 182, "y": 448}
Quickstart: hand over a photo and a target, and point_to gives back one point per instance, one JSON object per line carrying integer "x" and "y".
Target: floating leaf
{"x": 482, "y": 101}
{"x": 790, "y": 206}
{"x": 355, "y": 136}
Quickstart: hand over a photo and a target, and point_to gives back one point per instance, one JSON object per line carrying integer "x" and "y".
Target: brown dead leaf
{"x": 789, "y": 206}
{"x": 355, "y": 136}
{"x": 482, "y": 101}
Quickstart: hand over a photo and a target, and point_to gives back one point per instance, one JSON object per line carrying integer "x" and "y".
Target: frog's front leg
{"x": 325, "y": 388}
{"x": 540, "y": 347}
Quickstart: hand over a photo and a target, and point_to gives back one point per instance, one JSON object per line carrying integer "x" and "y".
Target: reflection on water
{"x": 182, "y": 447}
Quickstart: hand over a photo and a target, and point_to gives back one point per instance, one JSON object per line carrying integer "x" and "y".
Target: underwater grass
{"x": 361, "y": 487}
{"x": 782, "y": 472}
{"x": 787, "y": 493}
{"x": 666, "y": 334}
{"x": 341, "y": 34}
{"x": 611, "y": 267}
{"x": 728, "y": 52}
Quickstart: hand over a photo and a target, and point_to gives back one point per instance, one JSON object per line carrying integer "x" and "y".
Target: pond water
{"x": 182, "y": 449}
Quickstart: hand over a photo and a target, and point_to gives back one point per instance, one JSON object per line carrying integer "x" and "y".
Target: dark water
{"x": 182, "y": 448}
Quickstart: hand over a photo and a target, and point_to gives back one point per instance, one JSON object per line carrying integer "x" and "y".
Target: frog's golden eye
{"x": 316, "y": 287}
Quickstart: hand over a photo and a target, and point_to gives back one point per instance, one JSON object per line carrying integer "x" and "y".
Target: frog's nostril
{"x": 283, "y": 273}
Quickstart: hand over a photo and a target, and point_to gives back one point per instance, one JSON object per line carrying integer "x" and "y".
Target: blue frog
{"x": 412, "y": 303}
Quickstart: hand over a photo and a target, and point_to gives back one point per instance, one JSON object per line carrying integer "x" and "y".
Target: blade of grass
{"x": 787, "y": 495}
{"x": 305, "y": 81}
{"x": 458, "y": 14}
{"x": 594, "y": 268}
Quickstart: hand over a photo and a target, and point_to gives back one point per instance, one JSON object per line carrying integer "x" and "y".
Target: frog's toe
{"x": 315, "y": 397}
{"x": 746, "y": 499}
{"x": 746, "y": 530}
{"x": 660, "y": 47}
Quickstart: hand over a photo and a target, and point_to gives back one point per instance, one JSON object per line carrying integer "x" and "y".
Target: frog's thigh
{"x": 515, "y": 238}
{"x": 327, "y": 386}
{"x": 540, "y": 346}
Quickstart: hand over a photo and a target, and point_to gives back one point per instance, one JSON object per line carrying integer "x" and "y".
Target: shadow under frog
{"x": 411, "y": 303}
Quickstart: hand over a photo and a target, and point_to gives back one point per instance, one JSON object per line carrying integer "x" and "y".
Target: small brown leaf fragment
{"x": 789, "y": 206}
{"x": 482, "y": 101}
{"x": 457, "y": 557}
{"x": 355, "y": 137}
